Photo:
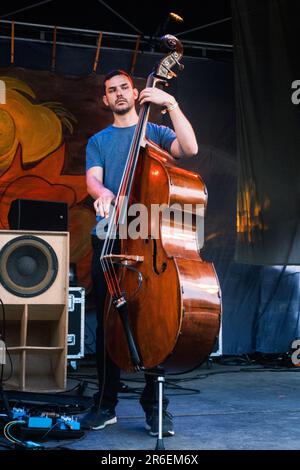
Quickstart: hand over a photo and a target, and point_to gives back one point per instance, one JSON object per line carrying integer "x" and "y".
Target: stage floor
{"x": 225, "y": 407}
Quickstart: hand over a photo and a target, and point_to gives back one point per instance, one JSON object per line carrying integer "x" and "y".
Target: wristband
{"x": 170, "y": 108}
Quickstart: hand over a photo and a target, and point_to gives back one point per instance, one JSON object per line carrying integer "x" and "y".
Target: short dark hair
{"x": 112, "y": 74}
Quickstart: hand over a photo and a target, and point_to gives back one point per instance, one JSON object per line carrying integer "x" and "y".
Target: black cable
{"x": 68, "y": 441}
{"x": 3, "y": 332}
{"x": 3, "y": 337}
{"x": 70, "y": 389}
{"x": 48, "y": 430}
{"x": 11, "y": 367}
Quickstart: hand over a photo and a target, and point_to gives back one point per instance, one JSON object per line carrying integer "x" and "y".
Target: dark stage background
{"x": 260, "y": 302}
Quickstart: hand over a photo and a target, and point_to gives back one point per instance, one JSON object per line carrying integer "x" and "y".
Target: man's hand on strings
{"x": 102, "y": 204}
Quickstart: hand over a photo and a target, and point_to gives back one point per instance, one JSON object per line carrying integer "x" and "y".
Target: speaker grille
{"x": 28, "y": 266}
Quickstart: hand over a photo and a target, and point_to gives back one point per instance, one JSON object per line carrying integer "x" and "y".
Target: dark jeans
{"x": 108, "y": 372}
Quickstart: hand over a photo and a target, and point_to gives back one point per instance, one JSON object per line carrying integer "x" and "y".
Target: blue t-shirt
{"x": 109, "y": 149}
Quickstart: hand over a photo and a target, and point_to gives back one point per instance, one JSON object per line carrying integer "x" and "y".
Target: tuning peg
{"x": 172, "y": 74}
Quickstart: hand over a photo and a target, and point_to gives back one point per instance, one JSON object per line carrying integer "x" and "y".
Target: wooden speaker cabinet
{"x": 34, "y": 276}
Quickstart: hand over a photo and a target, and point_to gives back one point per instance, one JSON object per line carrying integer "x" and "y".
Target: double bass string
{"x": 124, "y": 193}
{"x": 107, "y": 264}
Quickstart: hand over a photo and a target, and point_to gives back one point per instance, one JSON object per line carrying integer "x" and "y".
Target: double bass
{"x": 164, "y": 301}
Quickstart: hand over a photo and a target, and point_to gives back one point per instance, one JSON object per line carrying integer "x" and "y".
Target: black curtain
{"x": 267, "y": 68}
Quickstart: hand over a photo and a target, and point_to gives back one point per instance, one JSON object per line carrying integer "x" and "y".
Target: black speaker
{"x": 28, "y": 214}
{"x": 28, "y": 266}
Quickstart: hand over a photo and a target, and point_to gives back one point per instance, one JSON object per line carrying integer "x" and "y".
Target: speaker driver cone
{"x": 28, "y": 266}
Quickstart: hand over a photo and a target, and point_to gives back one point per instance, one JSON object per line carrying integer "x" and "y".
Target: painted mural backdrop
{"x": 44, "y": 127}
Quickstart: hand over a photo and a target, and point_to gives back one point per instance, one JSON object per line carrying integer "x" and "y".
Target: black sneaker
{"x": 152, "y": 424}
{"x": 98, "y": 418}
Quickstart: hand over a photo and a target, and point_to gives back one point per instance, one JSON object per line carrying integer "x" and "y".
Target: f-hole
{"x": 163, "y": 267}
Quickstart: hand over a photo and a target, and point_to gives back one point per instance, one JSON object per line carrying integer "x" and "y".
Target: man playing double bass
{"x": 106, "y": 156}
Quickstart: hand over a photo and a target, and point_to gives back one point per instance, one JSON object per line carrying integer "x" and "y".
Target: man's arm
{"x": 185, "y": 143}
{"x": 103, "y": 196}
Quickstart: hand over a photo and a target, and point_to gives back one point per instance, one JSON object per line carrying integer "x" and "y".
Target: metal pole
{"x": 25, "y": 8}
{"x": 97, "y": 52}
{"x": 229, "y": 18}
{"x": 160, "y": 442}
{"x": 12, "y": 43}
{"x": 195, "y": 44}
{"x": 137, "y": 45}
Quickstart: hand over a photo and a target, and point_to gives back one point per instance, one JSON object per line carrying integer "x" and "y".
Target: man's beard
{"x": 121, "y": 111}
